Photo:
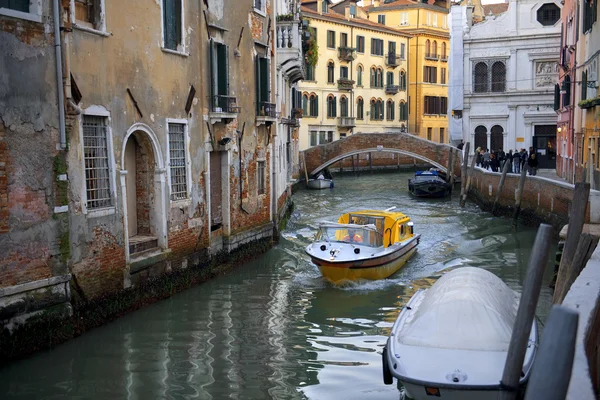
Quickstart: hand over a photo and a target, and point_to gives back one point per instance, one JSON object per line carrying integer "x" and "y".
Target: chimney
{"x": 320, "y": 6}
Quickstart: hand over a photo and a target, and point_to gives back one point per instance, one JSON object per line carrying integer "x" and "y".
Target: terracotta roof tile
{"x": 495, "y": 9}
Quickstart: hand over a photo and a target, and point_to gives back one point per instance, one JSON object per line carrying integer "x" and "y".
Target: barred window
{"x": 498, "y": 77}
{"x": 95, "y": 156}
{"x": 260, "y": 177}
{"x": 177, "y": 162}
{"x": 481, "y": 78}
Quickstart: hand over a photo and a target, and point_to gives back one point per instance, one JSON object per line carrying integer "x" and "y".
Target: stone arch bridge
{"x": 320, "y": 157}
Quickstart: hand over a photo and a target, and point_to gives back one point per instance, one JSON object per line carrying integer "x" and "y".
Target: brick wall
{"x": 144, "y": 185}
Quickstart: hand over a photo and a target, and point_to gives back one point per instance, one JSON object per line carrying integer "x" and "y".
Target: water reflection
{"x": 274, "y": 328}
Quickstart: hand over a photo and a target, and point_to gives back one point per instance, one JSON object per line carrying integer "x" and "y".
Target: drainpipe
{"x": 59, "y": 76}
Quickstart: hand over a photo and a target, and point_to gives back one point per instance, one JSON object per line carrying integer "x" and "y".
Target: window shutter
{"x": 257, "y": 83}
{"x": 316, "y": 106}
{"x": 264, "y": 79}
{"x": 334, "y": 106}
{"x": 213, "y": 74}
{"x": 584, "y": 85}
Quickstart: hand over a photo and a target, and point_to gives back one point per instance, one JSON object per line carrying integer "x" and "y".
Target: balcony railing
{"x": 288, "y": 35}
{"x": 292, "y": 121}
{"x": 346, "y": 53}
{"x": 225, "y": 104}
{"x": 392, "y": 89}
{"x": 346, "y": 122}
{"x": 290, "y": 49}
{"x": 265, "y": 109}
{"x": 393, "y": 59}
{"x": 345, "y": 84}
{"x": 430, "y": 56}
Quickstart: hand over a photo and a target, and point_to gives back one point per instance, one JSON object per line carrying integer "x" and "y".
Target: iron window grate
{"x": 95, "y": 155}
{"x": 177, "y": 161}
{"x": 261, "y": 177}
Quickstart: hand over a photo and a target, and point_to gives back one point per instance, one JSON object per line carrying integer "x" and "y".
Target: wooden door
{"x": 216, "y": 202}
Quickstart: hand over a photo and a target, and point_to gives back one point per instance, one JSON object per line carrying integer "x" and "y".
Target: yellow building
{"x": 428, "y": 55}
{"x": 359, "y": 83}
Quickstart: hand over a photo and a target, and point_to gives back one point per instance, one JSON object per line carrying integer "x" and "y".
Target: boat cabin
{"x": 385, "y": 227}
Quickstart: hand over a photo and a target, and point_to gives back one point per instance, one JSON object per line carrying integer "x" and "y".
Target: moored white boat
{"x": 320, "y": 183}
{"x": 451, "y": 340}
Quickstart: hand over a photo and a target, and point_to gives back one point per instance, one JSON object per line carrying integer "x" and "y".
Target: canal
{"x": 273, "y": 329}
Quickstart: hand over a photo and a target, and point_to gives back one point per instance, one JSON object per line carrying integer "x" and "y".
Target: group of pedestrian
{"x": 518, "y": 159}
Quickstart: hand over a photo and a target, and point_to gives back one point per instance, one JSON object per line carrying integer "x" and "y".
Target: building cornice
{"x": 409, "y": 7}
{"x": 469, "y": 40}
{"x": 356, "y": 24}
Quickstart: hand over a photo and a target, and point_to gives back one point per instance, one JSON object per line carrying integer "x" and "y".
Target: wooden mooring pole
{"x": 519, "y": 196}
{"x": 370, "y": 164}
{"x": 450, "y": 171}
{"x": 463, "y": 199}
{"x": 526, "y": 313}
{"x": 305, "y": 171}
{"x": 579, "y": 205}
{"x": 500, "y": 185}
{"x": 464, "y": 169}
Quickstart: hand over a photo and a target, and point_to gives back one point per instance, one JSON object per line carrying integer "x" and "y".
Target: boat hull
{"x": 320, "y": 183}
{"x": 371, "y": 269}
{"x": 420, "y": 392}
{"x": 430, "y": 189}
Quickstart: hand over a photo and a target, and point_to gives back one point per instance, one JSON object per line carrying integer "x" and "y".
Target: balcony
{"x": 433, "y": 57}
{"x": 223, "y": 109}
{"x": 444, "y": 59}
{"x": 346, "y": 122}
{"x": 292, "y": 121}
{"x": 346, "y": 53}
{"x": 393, "y": 59}
{"x": 290, "y": 57}
{"x": 392, "y": 89}
{"x": 345, "y": 84}
{"x": 265, "y": 113}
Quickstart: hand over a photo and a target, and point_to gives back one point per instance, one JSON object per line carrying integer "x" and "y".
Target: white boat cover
{"x": 467, "y": 308}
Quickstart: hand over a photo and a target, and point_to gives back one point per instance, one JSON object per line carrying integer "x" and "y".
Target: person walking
{"x": 516, "y": 160}
{"x": 509, "y": 157}
{"x": 532, "y": 163}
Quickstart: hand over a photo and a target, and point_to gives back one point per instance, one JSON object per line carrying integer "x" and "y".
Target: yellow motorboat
{"x": 366, "y": 244}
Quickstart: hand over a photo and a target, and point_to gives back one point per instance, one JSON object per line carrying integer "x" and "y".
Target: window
{"x": 177, "y": 161}
{"x": 427, "y": 48}
{"x": 343, "y": 72}
{"x": 314, "y": 105}
{"x": 172, "y": 31}
{"x": 498, "y": 77}
{"x": 310, "y": 71}
{"x": 305, "y": 105}
{"x": 434, "y": 48}
{"x": 402, "y": 50}
{"x": 219, "y": 62}
{"x": 548, "y": 14}
{"x": 556, "y": 97}
{"x": 360, "y": 44}
{"x": 343, "y": 40}
{"x": 403, "y": 18}
{"x": 359, "y": 74}
{"x": 360, "y": 108}
{"x": 376, "y": 110}
{"x": 590, "y": 14}
{"x": 390, "y": 110}
{"x": 435, "y": 20}
{"x": 379, "y": 77}
{"x": 402, "y": 80}
{"x": 390, "y": 78}
{"x": 353, "y": 10}
{"x": 444, "y": 56}
{"x": 377, "y": 47}
{"x": 443, "y": 76}
{"x": 373, "y": 73}
{"x": 331, "y": 39}
{"x": 429, "y": 133}
{"x": 17, "y": 5}
{"x": 263, "y": 86}
{"x": 260, "y": 177}
{"x": 87, "y": 13}
{"x": 435, "y": 105}
{"x": 322, "y": 137}
{"x": 381, "y": 19}
{"x": 443, "y": 105}
{"x": 96, "y": 162}
{"x": 566, "y": 89}
{"x": 481, "y": 137}
{"x": 343, "y": 106}
{"x": 313, "y": 138}
{"x": 430, "y": 74}
{"x": 584, "y": 85}
{"x": 403, "y": 111}
{"x": 330, "y": 73}
{"x": 480, "y": 77}
{"x": 324, "y": 6}
{"x": 259, "y": 5}
{"x": 497, "y": 138}
{"x": 442, "y": 135}
{"x": 331, "y": 107}
{"x": 428, "y": 18}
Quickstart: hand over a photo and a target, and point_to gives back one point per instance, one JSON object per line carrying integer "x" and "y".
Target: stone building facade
{"x": 144, "y": 141}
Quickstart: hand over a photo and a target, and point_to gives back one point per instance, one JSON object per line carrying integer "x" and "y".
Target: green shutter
{"x": 257, "y": 83}
{"x": 213, "y": 74}
{"x": 172, "y": 23}
{"x": 316, "y": 106}
{"x": 584, "y": 85}
{"x": 222, "y": 76}
{"x": 264, "y": 79}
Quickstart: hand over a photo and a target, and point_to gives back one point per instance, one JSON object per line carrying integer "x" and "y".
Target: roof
{"x": 400, "y": 4}
{"x": 395, "y": 215}
{"x": 495, "y": 9}
{"x": 356, "y": 21}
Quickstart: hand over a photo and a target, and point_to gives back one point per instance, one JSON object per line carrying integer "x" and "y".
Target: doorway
{"x": 216, "y": 191}
{"x": 544, "y": 144}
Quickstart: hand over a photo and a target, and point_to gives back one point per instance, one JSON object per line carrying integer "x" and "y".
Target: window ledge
{"x": 260, "y": 12}
{"x": 181, "y": 202}
{"x": 177, "y": 53}
{"x": 92, "y": 30}
{"x": 21, "y": 15}
{"x": 101, "y": 212}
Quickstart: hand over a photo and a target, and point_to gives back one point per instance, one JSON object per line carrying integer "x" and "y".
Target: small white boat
{"x": 320, "y": 183}
{"x": 451, "y": 340}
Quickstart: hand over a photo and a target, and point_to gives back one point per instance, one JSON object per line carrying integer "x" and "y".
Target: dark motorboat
{"x": 429, "y": 184}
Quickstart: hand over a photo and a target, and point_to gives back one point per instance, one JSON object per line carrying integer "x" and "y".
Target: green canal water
{"x": 272, "y": 328}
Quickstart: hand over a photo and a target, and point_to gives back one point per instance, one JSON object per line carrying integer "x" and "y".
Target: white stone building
{"x": 502, "y": 76}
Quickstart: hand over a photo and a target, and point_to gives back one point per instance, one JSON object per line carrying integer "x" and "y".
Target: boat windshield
{"x": 365, "y": 236}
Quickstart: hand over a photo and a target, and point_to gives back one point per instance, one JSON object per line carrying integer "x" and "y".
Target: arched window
{"x": 330, "y": 69}
{"x": 481, "y": 137}
{"x": 427, "y": 48}
{"x": 498, "y": 77}
{"x": 305, "y": 105}
{"x": 314, "y": 105}
{"x": 403, "y": 111}
{"x": 374, "y": 110}
{"x": 497, "y": 138}
{"x": 390, "y": 110}
{"x": 359, "y": 73}
{"x": 360, "y": 108}
{"x": 434, "y": 48}
{"x": 480, "y": 76}
{"x": 343, "y": 106}
{"x": 373, "y": 74}
{"x": 379, "y": 78}
{"x": 444, "y": 50}
{"x": 379, "y": 110}
{"x": 389, "y": 78}
{"x": 331, "y": 106}
{"x": 402, "y": 81}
